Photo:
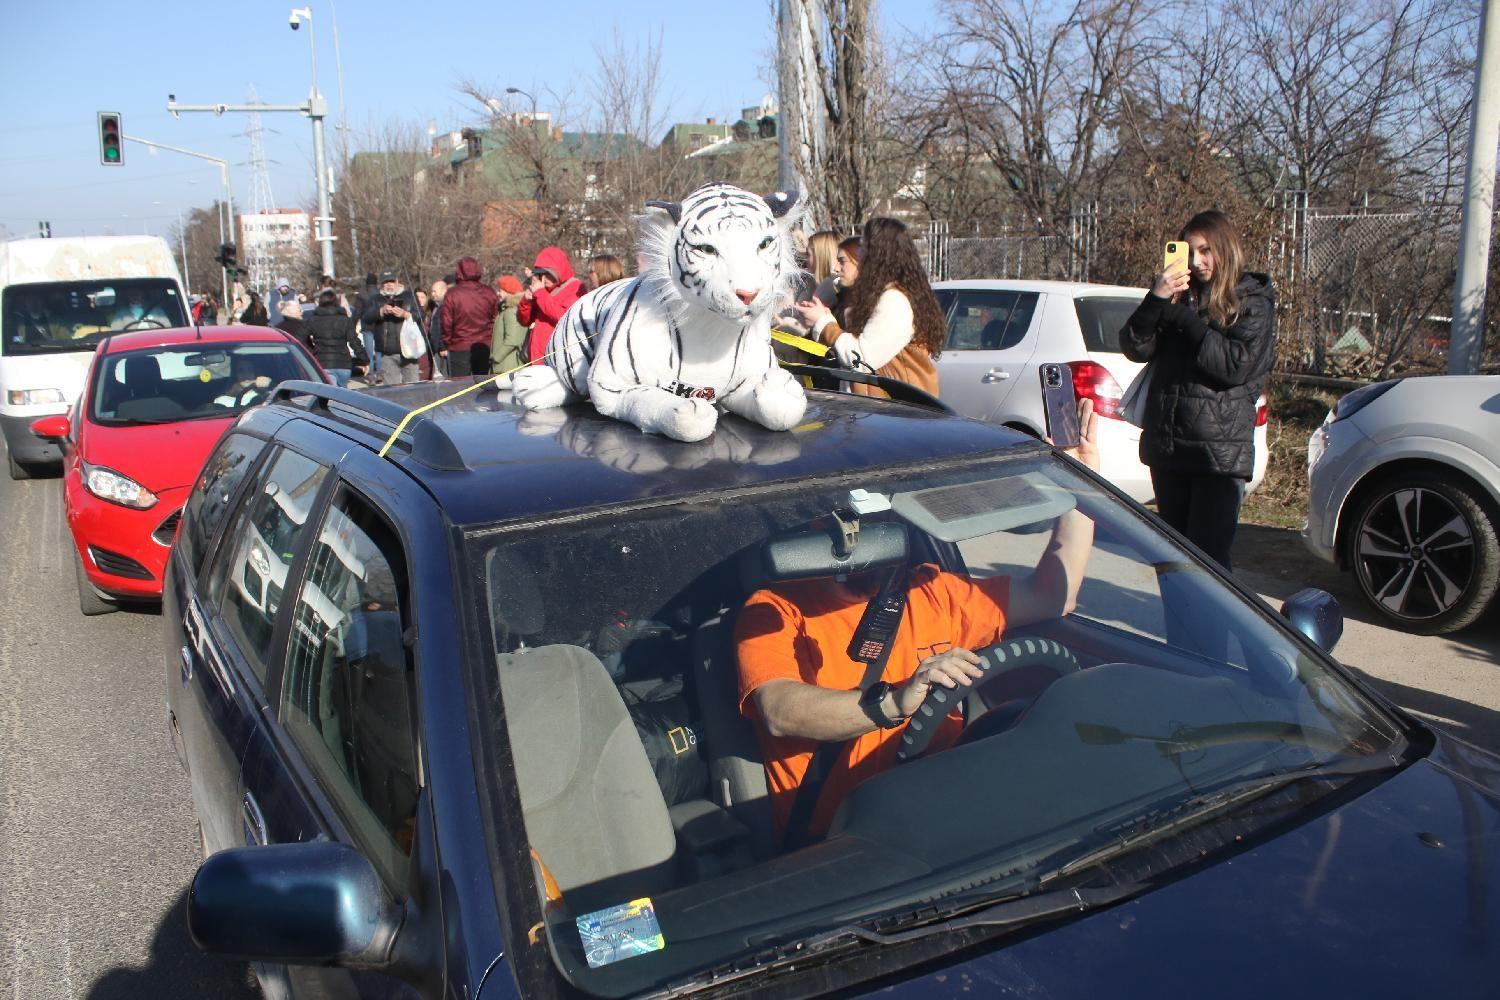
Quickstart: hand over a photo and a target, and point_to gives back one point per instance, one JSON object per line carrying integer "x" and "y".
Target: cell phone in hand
{"x": 1060, "y": 405}
{"x": 1176, "y": 252}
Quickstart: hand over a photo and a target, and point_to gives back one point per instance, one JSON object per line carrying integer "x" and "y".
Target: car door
{"x": 211, "y": 707}
{"x": 335, "y": 755}
{"x": 990, "y": 341}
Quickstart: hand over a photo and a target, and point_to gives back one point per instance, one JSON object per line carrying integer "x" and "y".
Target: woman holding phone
{"x": 1209, "y": 327}
{"x": 892, "y": 324}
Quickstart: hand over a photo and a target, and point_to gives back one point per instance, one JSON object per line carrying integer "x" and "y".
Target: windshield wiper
{"x": 1231, "y": 793}
{"x": 1010, "y": 913}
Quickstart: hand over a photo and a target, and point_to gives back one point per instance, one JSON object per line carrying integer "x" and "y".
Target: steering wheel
{"x": 135, "y": 324}
{"x": 1012, "y": 654}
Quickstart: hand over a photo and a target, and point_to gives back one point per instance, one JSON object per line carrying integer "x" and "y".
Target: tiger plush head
{"x": 723, "y": 249}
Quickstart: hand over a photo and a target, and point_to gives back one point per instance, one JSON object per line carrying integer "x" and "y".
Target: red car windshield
{"x": 193, "y": 381}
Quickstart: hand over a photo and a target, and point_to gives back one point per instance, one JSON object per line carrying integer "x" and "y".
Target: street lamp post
{"x": 317, "y": 109}
{"x": 223, "y": 173}
{"x": 531, "y": 127}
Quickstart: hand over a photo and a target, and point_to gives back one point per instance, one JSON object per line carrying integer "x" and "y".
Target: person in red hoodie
{"x": 468, "y": 321}
{"x": 551, "y": 291}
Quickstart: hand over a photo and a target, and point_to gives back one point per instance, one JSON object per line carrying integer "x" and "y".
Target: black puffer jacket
{"x": 1200, "y": 410}
{"x": 333, "y": 340}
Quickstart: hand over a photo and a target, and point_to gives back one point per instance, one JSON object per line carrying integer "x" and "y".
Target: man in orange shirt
{"x": 800, "y": 687}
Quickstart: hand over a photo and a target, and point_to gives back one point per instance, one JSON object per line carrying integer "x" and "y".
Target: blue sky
{"x": 74, "y": 58}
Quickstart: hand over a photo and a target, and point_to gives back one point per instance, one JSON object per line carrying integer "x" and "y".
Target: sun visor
{"x": 968, "y": 510}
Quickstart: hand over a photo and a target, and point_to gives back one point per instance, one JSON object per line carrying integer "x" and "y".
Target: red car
{"x": 154, "y": 405}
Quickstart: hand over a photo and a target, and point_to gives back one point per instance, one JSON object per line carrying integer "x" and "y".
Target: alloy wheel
{"x": 1415, "y": 553}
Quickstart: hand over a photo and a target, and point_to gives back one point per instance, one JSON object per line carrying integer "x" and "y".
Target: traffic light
{"x": 226, "y": 256}
{"x": 111, "y": 139}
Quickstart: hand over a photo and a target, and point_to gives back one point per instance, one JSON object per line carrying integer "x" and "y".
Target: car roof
{"x": 1073, "y": 289}
{"x": 516, "y": 464}
{"x": 135, "y": 340}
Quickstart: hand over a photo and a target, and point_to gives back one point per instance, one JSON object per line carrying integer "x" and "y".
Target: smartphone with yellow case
{"x": 1177, "y": 251}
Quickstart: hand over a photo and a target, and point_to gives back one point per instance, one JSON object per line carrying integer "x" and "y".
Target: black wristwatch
{"x": 869, "y": 703}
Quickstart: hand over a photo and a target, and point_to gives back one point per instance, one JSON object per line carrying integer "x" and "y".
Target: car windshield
{"x": 655, "y": 802}
{"x": 191, "y": 381}
{"x": 64, "y": 316}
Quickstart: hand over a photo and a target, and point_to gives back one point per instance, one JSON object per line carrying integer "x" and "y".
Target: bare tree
{"x": 414, "y": 219}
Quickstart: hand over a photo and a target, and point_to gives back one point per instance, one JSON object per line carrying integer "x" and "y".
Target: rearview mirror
{"x": 54, "y": 428}
{"x": 1317, "y": 615}
{"x": 312, "y": 903}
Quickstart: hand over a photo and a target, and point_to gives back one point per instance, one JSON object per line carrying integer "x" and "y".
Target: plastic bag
{"x": 413, "y": 344}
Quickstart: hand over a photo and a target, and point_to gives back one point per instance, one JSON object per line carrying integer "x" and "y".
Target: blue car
{"x": 462, "y": 703}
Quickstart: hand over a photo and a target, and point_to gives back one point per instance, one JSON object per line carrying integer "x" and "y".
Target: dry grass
{"x": 1281, "y": 499}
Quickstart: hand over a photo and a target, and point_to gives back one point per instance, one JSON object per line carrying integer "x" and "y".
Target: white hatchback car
{"x": 1403, "y": 488}
{"x": 1000, "y": 332}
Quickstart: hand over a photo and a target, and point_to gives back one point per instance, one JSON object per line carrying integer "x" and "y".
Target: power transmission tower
{"x": 262, "y": 199}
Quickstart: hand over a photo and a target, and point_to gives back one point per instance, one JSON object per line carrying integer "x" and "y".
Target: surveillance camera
{"x": 296, "y": 21}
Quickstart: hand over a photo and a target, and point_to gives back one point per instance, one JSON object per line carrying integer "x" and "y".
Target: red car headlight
{"x": 107, "y": 484}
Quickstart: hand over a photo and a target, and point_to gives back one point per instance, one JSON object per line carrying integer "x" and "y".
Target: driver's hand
{"x": 262, "y": 382}
{"x": 950, "y": 669}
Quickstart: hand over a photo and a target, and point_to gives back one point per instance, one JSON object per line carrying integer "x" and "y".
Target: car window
{"x": 248, "y": 575}
{"x": 989, "y": 320}
{"x": 192, "y": 381}
{"x": 75, "y": 315}
{"x": 1101, "y": 319}
{"x": 222, "y": 475}
{"x": 345, "y": 696}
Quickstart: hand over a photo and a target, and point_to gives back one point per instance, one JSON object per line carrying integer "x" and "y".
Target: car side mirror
{"x": 1317, "y": 615}
{"x": 314, "y": 903}
{"x": 54, "y": 428}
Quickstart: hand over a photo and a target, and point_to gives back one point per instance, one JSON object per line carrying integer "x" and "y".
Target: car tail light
{"x": 1092, "y": 380}
{"x": 1262, "y": 412}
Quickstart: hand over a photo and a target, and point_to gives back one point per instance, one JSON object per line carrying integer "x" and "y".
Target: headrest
{"x": 810, "y": 555}
{"x": 142, "y": 368}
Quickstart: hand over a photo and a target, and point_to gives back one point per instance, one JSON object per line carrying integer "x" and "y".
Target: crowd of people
{"x": 388, "y": 333}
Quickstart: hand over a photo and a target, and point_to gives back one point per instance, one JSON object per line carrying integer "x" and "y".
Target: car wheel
{"x": 89, "y": 601}
{"x": 1424, "y": 551}
{"x": 17, "y": 470}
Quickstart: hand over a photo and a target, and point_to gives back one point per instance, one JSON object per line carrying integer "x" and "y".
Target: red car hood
{"x": 158, "y": 456}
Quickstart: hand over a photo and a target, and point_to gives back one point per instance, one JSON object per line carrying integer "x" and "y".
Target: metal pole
{"x": 229, "y": 211}
{"x": 317, "y": 109}
{"x": 1466, "y": 332}
{"x": 187, "y": 280}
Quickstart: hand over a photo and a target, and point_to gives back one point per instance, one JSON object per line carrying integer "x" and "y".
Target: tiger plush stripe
{"x": 691, "y": 333}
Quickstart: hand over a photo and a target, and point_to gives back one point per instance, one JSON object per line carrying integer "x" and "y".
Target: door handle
{"x": 995, "y": 375}
{"x": 187, "y": 665}
{"x": 255, "y": 821}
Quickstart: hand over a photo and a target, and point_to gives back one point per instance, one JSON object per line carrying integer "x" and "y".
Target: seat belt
{"x": 799, "y": 823}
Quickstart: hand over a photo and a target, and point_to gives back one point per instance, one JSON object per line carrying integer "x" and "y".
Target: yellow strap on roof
{"x": 800, "y": 343}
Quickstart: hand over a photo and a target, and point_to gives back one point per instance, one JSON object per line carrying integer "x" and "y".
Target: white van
{"x": 58, "y": 299}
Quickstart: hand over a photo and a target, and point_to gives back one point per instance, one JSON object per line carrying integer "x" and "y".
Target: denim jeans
{"x": 340, "y": 376}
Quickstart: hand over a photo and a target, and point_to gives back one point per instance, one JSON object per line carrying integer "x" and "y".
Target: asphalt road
{"x": 98, "y": 841}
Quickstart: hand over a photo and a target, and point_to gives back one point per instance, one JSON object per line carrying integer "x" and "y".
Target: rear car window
{"x": 990, "y": 320}
{"x": 1101, "y": 318}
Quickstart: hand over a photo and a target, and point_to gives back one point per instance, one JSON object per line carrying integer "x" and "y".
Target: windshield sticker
{"x": 620, "y": 932}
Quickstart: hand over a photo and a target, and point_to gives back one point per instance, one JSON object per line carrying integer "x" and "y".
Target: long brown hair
{"x": 891, "y": 260}
{"x": 1218, "y": 298}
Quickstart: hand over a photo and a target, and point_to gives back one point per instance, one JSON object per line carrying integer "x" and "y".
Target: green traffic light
{"x": 112, "y": 155}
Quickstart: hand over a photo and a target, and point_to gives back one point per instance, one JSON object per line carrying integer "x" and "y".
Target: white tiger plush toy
{"x": 689, "y": 334}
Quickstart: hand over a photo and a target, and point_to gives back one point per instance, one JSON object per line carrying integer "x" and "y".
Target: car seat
{"x": 589, "y": 798}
